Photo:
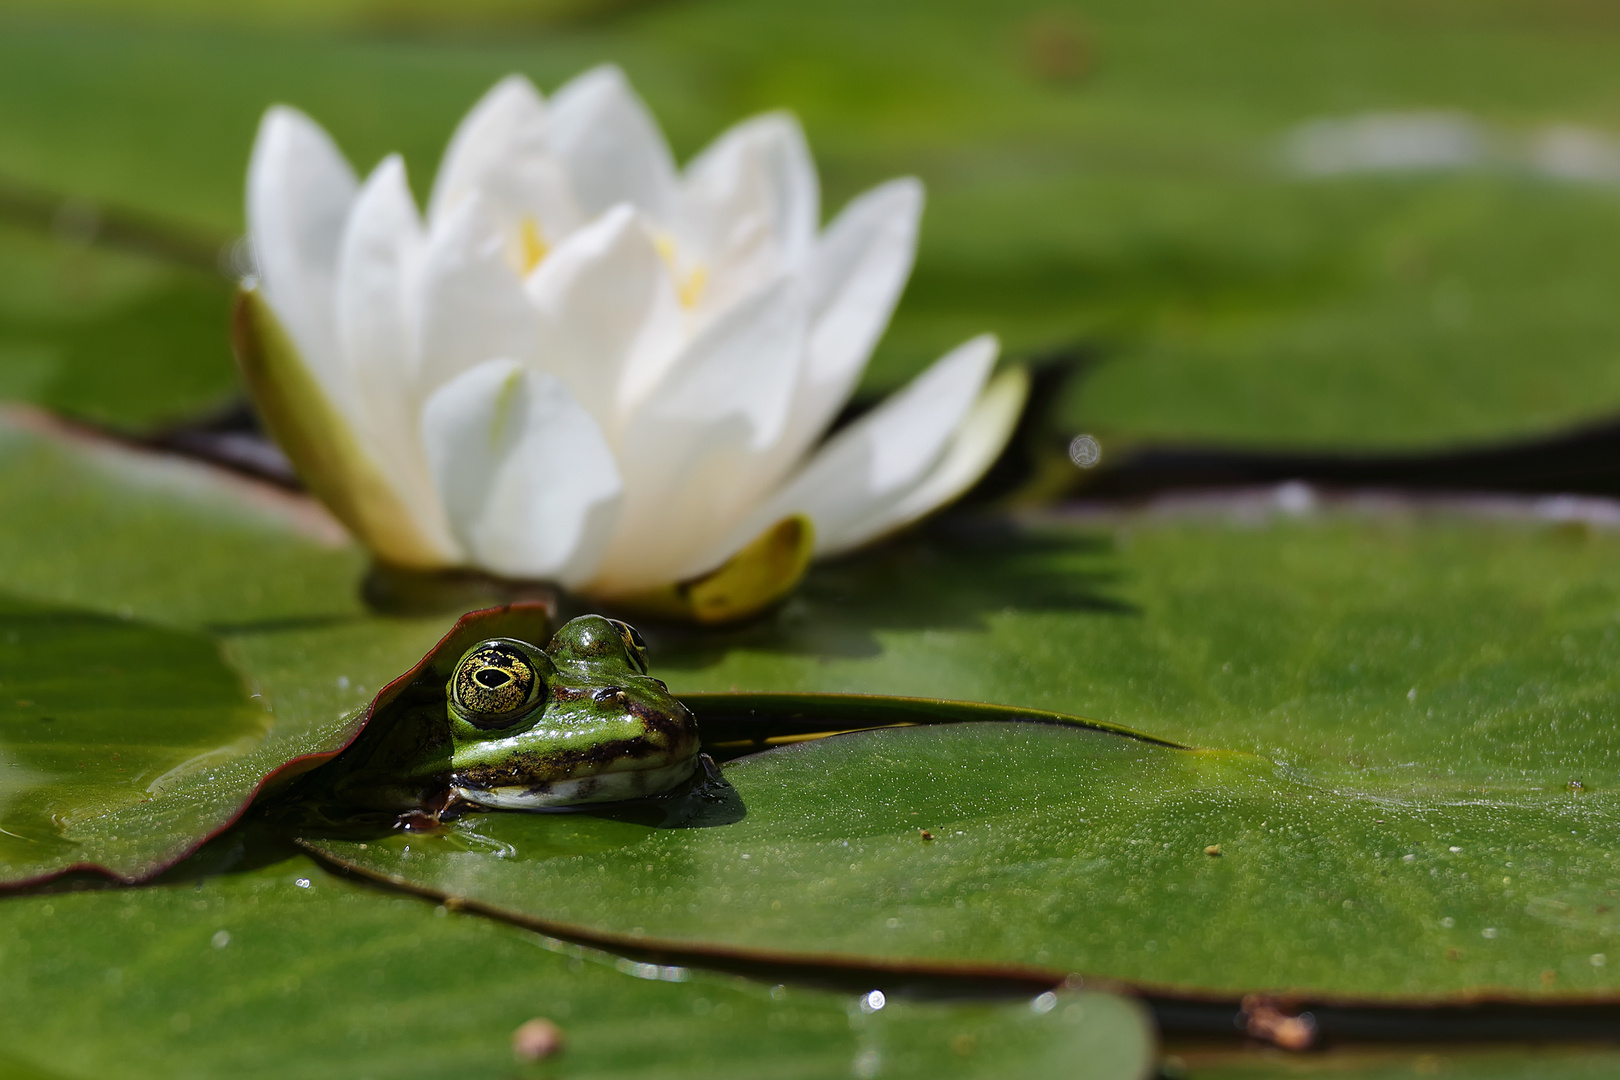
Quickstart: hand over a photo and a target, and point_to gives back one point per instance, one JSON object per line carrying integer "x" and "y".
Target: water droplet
{"x": 1044, "y": 1003}
{"x": 221, "y": 938}
{"x": 874, "y": 1001}
{"x": 1085, "y": 451}
{"x": 1488, "y": 932}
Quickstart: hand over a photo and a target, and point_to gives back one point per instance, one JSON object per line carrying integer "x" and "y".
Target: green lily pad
{"x": 1385, "y": 646}
{"x": 285, "y": 970}
{"x": 109, "y": 336}
{"x": 174, "y": 639}
{"x": 1076, "y": 851}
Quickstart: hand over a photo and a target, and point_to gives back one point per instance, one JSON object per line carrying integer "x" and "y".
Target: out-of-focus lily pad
{"x": 109, "y": 336}
{"x": 286, "y": 971}
{"x": 1078, "y": 851}
{"x": 1111, "y": 174}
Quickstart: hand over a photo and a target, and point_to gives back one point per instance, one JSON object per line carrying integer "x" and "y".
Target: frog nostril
{"x": 492, "y": 679}
{"x": 610, "y": 693}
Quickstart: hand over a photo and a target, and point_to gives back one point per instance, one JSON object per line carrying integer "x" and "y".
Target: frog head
{"x": 579, "y": 721}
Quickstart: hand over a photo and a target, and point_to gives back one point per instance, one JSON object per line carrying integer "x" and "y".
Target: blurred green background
{"x": 1110, "y": 172}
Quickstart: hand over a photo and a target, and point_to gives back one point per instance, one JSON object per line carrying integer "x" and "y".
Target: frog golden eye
{"x": 634, "y": 645}
{"x": 496, "y": 684}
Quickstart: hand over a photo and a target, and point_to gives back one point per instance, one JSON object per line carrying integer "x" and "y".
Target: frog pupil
{"x": 491, "y": 679}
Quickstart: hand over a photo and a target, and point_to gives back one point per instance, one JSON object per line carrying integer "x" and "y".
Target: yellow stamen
{"x": 532, "y": 244}
{"x": 689, "y": 290}
{"x": 665, "y": 246}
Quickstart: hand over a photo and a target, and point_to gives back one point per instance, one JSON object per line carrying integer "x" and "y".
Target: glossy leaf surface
{"x": 1140, "y": 629}
{"x": 1077, "y": 851}
{"x": 285, "y": 970}
{"x": 1377, "y": 646}
{"x": 171, "y": 638}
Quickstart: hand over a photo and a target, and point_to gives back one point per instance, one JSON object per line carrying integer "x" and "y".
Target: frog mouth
{"x": 614, "y": 785}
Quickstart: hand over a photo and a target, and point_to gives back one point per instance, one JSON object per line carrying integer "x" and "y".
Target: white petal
{"x": 859, "y": 271}
{"x": 857, "y": 275}
{"x": 750, "y": 205}
{"x": 743, "y": 365}
{"x": 610, "y": 320}
{"x": 502, "y": 150}
{"x": 471, "y": 305}
{"x": 692, "y": 453}
{"x": 611, "y": 146}
{"x": 377, "y": 260}
{"x": 530, "y": 484}
{"x": 299, "y": 191}
{"x": 972, "y": 449}
{"x": 878, "y": 458}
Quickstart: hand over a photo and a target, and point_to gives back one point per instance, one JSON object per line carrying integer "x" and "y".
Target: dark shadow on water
{"x": 951, "y": 575}
{"x": 705, "y": 801}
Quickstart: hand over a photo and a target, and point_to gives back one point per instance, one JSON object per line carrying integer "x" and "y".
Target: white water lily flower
{"x": 587, "y": 366}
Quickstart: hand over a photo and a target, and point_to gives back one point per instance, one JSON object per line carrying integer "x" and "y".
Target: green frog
{"x": 580, "y": 721}
{"x": 519, "y": 727}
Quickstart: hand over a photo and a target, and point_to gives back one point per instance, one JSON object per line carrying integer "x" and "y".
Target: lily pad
{"x": 176, "y": 640}
{"x": 285, "y": 970}
{"x": 1076, "y": 851}
{"x": 110, "y": 336}
{"x": 1387, "y": 645}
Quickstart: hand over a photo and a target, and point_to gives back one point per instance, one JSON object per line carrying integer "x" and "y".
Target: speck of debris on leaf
{"x": 536, "y": 1040}
{"x": 926, "y": 835}
{"x": 1213, "y": 851}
